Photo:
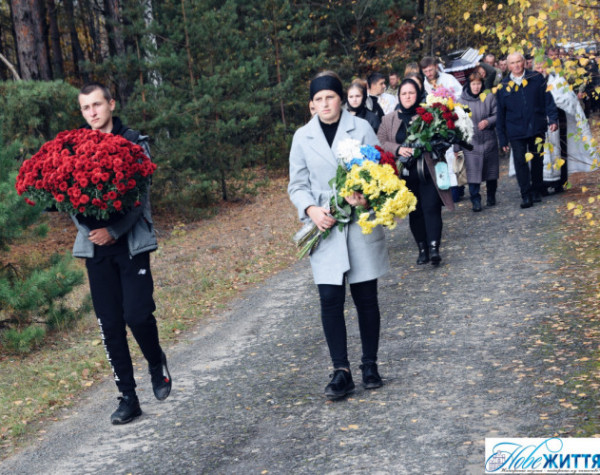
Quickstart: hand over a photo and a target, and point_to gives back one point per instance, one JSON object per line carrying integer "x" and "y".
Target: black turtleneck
{"x": 329, "y": 130}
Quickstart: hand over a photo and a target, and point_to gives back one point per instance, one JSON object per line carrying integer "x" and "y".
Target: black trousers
{"x": 364, "y": 295}
{"x": 122, "y": 290}
{"x": 529, "y": 181}
{"x": 426, "y": 220}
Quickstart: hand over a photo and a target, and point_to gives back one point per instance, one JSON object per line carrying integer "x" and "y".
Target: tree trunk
{"x": 116, "y": 44}
{"x": 30, "y": 44}
{"x": 77, "y": 52}
{"x": 90, "y": 18}
{"x": 57, "y": 58}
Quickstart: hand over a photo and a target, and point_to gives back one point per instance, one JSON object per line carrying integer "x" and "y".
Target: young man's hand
{"x": 101, "y": 237}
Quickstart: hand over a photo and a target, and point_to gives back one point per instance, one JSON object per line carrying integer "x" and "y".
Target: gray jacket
{"x": 361, "y": 257}
{"x": 137, "y": 224}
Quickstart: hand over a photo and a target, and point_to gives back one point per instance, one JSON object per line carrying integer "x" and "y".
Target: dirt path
{"x": 463, "y": 354}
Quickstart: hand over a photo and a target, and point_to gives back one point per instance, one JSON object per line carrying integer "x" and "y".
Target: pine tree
{"x": 31, "y": 294}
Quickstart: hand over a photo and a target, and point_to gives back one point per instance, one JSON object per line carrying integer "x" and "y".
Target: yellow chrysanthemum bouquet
{"x": 368, "y": 170}
{"x": 386, "y": 193}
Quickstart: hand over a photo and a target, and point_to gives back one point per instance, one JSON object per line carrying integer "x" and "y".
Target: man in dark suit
{"x": 525, "y": 108}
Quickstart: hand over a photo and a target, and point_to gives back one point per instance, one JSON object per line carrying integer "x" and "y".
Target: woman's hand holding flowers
{"x": 405, "y": 152}
{"x": 321, "y": 217}
{"x": 357, "y": 199}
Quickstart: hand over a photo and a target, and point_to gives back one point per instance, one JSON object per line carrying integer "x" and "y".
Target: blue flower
{"x": 355, "y": 161}
{"x": 370, "y": 153}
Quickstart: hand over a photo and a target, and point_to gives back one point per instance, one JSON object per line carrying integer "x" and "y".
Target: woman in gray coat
{"x": 344, "y": 255}
{"x": 481, "y": 163}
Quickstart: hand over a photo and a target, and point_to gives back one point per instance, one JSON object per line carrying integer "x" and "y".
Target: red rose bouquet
{"x": 86, "y": 172}
{"x": 440, "y": 122}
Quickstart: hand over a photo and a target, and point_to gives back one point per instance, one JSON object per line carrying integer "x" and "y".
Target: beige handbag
{"x": 459, "y": 169}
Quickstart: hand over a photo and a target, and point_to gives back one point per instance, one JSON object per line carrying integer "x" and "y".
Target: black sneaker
{"x": 129, "y": 408}
{"x": 341, "y": 385}
{"x": 161, "y": 379}
{"x": 371, "y": 378}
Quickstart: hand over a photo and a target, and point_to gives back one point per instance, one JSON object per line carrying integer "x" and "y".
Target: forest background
{"x": 220, "y": 87}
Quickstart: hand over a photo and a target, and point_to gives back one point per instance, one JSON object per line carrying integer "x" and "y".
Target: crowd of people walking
{"x": 512, "y": 109}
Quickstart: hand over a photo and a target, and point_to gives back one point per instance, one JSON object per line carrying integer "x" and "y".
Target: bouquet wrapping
{"x": 86, "y": 172}
{"x": 368, "y": 170}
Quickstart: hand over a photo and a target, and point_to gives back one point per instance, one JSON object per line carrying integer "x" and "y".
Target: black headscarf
{"x": 404, "y": 114}
{"x": 329, "y": 83}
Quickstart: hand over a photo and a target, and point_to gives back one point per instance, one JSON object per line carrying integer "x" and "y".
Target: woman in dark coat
{"x": 426, "y": 221}
{"x": 481, "y": 163}
{"x": 355, "y": 104}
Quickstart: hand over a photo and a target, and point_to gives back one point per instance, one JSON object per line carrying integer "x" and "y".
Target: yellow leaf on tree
{"x": 591, "y": 200}
{"x": 524, "y": 82}
{"x": 484, "y": 6}
{"x": 499, "y": 6}
{"x": 528, "y": 156}
{"x": 549, "y": 87}
{"x": 466, "y": 16}
{"x": 589, "y": 215}
{"x": 531, "y": 21}
{"x": 577, "y": 212}
{"x": 482, "y": 96}
{"x": 583, "y": 61}
{"x": 558, "y": 163}
{"x": 538, "y": 140}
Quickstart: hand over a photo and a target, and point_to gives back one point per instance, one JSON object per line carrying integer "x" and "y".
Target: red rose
{"x": 450, "y": 125}
{"x": 420, "y": 110}
{"x": 427, "y": 118}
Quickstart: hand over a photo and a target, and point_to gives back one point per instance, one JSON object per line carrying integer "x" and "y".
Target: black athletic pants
{"x": 364, "y": 295}
{"x": 121, "y": 290}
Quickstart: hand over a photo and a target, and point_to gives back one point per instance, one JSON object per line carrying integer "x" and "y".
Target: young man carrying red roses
{"x": 117, "y": 253}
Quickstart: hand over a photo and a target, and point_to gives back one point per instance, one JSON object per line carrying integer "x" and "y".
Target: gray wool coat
{"x": 360, "y": 257}
{"x": 482, "y": 163}
{"x": 387, "y": 136}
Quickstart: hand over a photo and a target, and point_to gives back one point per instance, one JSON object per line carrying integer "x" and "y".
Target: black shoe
{"x": 434, "y": 253}
{"x": 477, "y": 205}
{"x": 423, "y": 253}
{"x": 341, "y": 384}
{"x": 491, "y": 200}
{"x": 370, "y": 375}
{"x": 129, "y": 408}
{"x": 526, "y": 202}
{"x": 537, "y": 198}
{"x": 544, "y": 192}
{"x": 161, "y": 380}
